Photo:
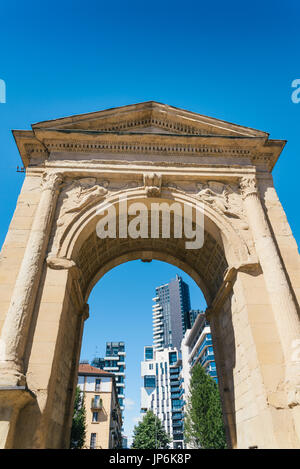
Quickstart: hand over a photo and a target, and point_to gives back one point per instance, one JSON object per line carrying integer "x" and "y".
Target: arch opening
{"x": 120, "y": 306}
{"x": 97, "y": 257}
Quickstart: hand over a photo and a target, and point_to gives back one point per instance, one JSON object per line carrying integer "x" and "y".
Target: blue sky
{"x": 232, "y": 60}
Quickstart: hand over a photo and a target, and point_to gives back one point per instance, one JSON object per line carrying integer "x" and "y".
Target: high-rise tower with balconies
{"x": 171, "y": 314}
{"x": 114, "y": 362}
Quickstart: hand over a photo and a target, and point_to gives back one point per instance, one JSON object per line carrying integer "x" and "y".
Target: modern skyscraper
{"x": 171, "y": 314}
{"x": 161, "y": 393}
{"x": 114, "y": 362}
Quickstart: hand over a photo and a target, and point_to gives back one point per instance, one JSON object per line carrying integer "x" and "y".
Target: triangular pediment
{"x": 149, "y": 118}
{"x": 146, "y": 129}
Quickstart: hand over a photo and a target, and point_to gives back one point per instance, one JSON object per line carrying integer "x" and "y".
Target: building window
{"x": 96, "y": 402}
{"x": 97, "y": 385}
{"x": 149, "y": 381}
{"x": 95, "y": 416}
{"x": 93, "y": 440}
{"x": 172, "y": 357}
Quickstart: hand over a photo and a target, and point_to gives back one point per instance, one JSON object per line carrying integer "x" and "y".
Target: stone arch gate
{"x": 248, "y": 267}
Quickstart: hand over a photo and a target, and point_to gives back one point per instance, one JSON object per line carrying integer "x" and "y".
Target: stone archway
{"x": 247, "y": 268}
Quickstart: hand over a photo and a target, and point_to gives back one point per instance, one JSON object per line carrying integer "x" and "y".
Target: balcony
{"x": 96, "y": 404}
{"x": 178, "y": 406}
{"x": 156, "y": 321}
{"x": 175, "y": 389}
{"x": 177, "y": 424}
{"x": 174, "y": 380}
{"x": 158, "y": 339}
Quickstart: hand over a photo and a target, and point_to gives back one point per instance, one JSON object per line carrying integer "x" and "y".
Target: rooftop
{"x": 85, "y": 368}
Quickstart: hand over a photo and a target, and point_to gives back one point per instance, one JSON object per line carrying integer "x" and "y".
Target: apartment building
{"x": 161, "y": 392}
{"x": 103, "y": 413}
{"x": 197, "y": 347}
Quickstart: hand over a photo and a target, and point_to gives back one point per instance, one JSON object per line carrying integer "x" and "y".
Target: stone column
{"x": 17, "y": 321}
{"x": 282, "y": 300}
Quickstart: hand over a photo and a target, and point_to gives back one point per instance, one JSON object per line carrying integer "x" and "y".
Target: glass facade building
{"x": 171, "y": 314}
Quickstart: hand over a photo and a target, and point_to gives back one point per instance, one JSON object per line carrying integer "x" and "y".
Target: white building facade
{"x": 197, "y": 347}
{"x": 161, "y": 393}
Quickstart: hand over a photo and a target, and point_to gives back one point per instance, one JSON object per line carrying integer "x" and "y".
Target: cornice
{"x": 128, "y": 146}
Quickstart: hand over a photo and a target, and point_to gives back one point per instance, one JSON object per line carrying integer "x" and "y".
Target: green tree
{"x": 150, "y": 434}
{"x": 203, "y": 426}
{"x": 78, "y": 429}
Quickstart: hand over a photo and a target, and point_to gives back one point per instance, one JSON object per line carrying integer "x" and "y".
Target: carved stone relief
{"x": 152, "y": 183}
{"x": 219, "y": 196}
{"x": 226, "y": 199}
{"x": 82, "y": 192}
{"x": 75, "y": 196}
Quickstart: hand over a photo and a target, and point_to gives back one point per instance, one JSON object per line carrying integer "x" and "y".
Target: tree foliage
{"x": 150, "y": 434}
{"x": 78, "y": 429}
{"x": 203, "y": 427}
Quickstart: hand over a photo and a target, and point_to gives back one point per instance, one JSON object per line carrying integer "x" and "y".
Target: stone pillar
{"x": 281, "y": 297}
{"x": 82, "y": 317}
{"x": 17, "y": 321}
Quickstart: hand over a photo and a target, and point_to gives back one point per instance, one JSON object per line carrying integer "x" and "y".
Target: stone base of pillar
{"x": 12, "y": 400}
{"x": 11, "y": 377}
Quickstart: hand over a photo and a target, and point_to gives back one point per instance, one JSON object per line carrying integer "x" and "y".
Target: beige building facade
{"x": 103, "y": 414}
{"x": 248, "y": 267}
